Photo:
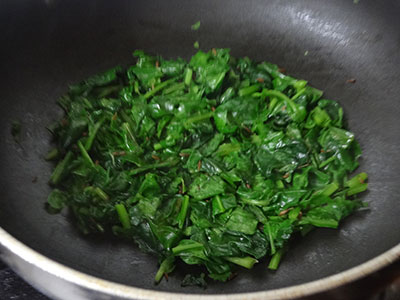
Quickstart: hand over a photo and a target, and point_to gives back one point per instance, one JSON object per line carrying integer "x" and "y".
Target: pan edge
{"x": 62, "y": 282}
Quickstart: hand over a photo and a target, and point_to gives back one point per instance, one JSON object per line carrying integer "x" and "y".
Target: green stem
{"x": 165, "y": 267}
{"x": 85, "y": 155}
{"x": 158, "y": 88}
{"x": 276, "y": 259}
{"x": 174, "y": 88}
{"x": 128, "y": 129}
{"x": 183, "y": 211}
{"x": 217, "y": 200}
{"x": 357, "y": 189}
{"x": 188, "y": 76}
{"x": 271, "y": 239}
{"x": 249, "y": 90}
{"x": 198, "y": 118}
{"x": 328, "y": 161}
{"x": 127, "y": 119}
{"x": 280, "y": 96}
{"x": 123, "y": 216}
{"x": 300, "y": 85}
{"x": 356, "y": 180}
{"x": 105, "y": 91}
{"x": 180, "y": 248}
{"x": 60, "y": 170}
{"x": 91, "y": 137}
{"x": 297, "y": 114}
{"x": 247, "y": 262}
{"x": 314, "y": 161}
{"x": 299, "y": 93}
{"x": 99, "y": 192}
{"x": 329, "y": 189}
{"x": 167, "y": 163}
{"x": 183, "y": 186}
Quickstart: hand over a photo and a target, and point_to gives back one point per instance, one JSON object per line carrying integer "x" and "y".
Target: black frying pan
{"x": 47, "y": 45}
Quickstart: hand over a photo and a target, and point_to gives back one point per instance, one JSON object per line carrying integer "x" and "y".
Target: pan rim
{"x": 93, "y": 283}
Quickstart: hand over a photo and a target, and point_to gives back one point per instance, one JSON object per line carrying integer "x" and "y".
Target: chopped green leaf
{"x": 196, "y": 26}
{"x": 242, "y": 221}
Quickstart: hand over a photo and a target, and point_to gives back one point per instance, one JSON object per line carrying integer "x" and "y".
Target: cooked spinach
{"x": 216, "y": 162}
{"x": 196, "y": 26}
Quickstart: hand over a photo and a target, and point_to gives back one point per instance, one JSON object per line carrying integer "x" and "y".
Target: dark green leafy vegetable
{"x": 242, "y": 221}
{"x": 196, "y": 26}
{"x": 56, "y": 200}
{"x": 216, "y": 162}
{"x": 192, "y": 280}
{"x": 16, "y": 130}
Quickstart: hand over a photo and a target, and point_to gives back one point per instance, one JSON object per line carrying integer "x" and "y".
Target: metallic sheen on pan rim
{"x": 61, "y": 282}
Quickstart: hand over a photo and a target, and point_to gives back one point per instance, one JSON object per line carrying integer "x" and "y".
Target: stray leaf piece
{"x": 193, "y": 280}
{"x": 196, "y": 26}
